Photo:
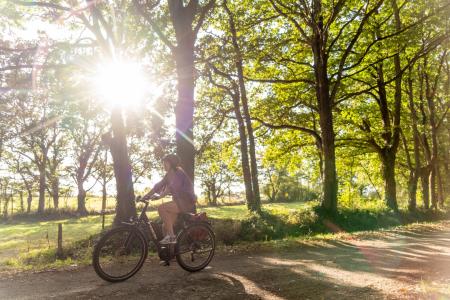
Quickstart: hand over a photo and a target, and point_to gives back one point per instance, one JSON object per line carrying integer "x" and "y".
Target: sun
{"x": 122, "y": 84}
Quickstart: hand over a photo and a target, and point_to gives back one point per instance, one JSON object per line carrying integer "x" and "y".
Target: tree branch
{"x": 309, "y": 131}
{"x": 204, "y": 10}
{"x": 154, "y": 26}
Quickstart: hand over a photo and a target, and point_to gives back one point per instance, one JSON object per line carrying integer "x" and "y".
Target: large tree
{"x": 85, "y": 129}
{"x": 186, "y": 19}
{"x": 324, "y": 52}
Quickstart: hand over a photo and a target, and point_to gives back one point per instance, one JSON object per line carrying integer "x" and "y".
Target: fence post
{"x": 59, "y": 251}
{"x": 12, "y": 203}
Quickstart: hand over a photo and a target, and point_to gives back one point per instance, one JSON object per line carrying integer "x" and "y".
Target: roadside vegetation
{"x": 32, "y": 244}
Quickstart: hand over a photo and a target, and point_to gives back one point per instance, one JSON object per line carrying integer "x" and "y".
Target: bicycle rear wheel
{"x": 119, "y": 254}
{"x": 195, "y": 247}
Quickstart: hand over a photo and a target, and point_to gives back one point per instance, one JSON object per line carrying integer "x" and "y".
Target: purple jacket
{"x": 181, "y": 188}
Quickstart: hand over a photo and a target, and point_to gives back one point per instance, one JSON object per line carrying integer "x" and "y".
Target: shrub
{"x": 227, "y": 231}
{"x": 289, "y": 190}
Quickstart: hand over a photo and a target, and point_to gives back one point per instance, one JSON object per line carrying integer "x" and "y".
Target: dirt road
{"x": 395, "y": 265}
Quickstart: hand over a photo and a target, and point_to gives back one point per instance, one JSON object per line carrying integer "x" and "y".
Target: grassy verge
{"x": 31, "y": 245}
{"x": 278, "y": 221}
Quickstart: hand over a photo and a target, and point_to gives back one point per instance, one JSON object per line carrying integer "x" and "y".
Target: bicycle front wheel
{"x": 195, "y": 247}
{"x": 119, "y": 254}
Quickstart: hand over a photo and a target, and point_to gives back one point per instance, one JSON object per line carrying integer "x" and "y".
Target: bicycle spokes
{"x": 195, "y": 247}
{"x": 120, "y": 253}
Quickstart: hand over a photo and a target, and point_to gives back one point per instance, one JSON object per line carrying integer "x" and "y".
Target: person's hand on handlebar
{"x": 155, "y": 197}
{"x": 151, "y": 197}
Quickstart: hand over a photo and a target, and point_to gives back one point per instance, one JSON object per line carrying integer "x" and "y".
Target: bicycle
{"x": 121, "y": 252}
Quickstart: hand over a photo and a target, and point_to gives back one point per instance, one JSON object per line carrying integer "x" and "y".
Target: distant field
{"x": 93, "y": 204}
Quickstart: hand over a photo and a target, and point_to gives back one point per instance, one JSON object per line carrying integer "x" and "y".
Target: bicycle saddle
{"x": 193, "y": 216}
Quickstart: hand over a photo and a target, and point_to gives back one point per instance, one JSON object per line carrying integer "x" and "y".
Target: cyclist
{"x": 177, "y": 184}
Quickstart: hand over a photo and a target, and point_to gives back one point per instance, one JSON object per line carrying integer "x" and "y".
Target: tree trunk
{"x": 412, "y": 190}
{"x": 390, "y": 152}
{"x": 183, "y": 17}
{"x": 330, "y": 186}
{"x": 184, "y": 109}
{"x": 5, "y": 206}
{"x": 81, "y": 196}
{"x": 251, "y": 140}
{"x": 424, "y": 176}
{"x": 432, "y": 186}
{"x": 387, "y": 158}
{"x": 104, "y": 197}
{"x": 272, "y": 196}
{"x": 440, "y": 187}
{"x": 29, "y": 200}
{"x": 246, "y": 112}
{"x": 55, "y": 192}
{"x": 387, "y": 152}
{"x": 444, "y": 180}
{"x": 328, "y": 147}
{"x": 11, "y": 198}
{"x": 434, "y": 143}
{"x": 42, "y": 186}
{"x": 22, "y": 207}
{"x": 244, "y": 156}
{"x": 414, "y": 174}
{"x": 208, "y": 194}
{"x": 126, "y": 207}
{"x": 214, "y": 194}
{"x": 433, "y": 164}
{"x": 81, "y": 199}
{"x": 330, "y": 180}
{"x": 319, "y": 156}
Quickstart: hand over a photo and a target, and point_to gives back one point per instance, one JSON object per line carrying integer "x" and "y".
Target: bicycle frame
{"x": 143, "y": 219}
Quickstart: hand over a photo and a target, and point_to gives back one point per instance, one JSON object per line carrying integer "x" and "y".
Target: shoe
{"x": 168, "y": 239}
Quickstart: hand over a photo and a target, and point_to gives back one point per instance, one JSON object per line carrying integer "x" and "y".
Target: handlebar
{"x": 141, "y": 199}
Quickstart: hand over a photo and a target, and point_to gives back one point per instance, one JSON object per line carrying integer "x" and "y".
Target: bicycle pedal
{"x": 164, "y": 263}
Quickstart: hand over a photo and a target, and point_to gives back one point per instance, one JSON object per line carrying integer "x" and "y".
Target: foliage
{"x": 282, "y": 187}
{"x": 215, "y": 170}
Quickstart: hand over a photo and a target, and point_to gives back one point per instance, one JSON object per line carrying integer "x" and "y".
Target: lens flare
{"x": 121, "y": 84}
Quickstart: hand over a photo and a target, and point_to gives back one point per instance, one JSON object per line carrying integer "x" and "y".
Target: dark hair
{"x": 173, "y": 160}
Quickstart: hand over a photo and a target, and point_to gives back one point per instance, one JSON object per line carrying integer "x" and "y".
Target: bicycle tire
{"x": 98, "y": 247}
{"x": 183, "y": 235}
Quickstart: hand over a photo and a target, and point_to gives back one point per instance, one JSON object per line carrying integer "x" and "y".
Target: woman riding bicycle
{"x": 177, "y": 184}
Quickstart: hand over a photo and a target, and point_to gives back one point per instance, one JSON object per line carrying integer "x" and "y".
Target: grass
{"x": 69, "y": 204}
{"x": 26, "y": 245}
{"x": 28, "y": 237}
{"x": 35, "y": 242}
